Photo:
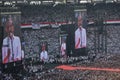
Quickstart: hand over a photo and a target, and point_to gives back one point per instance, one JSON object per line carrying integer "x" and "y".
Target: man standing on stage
{"x": 80, "y": 39}
{"x": 11, "y": 49}
{"x": 44, "y": 54}
{"x": 63, "y": 49}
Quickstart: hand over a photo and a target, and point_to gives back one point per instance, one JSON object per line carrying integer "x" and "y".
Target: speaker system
{"x": 1, "y": 36}
{"x": 1, "y": 42}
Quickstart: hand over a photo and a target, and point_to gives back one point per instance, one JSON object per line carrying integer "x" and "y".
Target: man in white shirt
{"x": 63, "y": 49}
{"x": 44, "y": 55}
{"x": 80, "y": 38}
{"x": 11, "y": 49}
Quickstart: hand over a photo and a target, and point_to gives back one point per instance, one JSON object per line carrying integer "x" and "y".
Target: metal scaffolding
{"x": 98, "y": 41}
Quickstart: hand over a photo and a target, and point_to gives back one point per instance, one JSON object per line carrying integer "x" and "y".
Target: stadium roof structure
{"x": 39, "y": 2}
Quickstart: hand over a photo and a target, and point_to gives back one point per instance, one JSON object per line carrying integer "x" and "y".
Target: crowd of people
{"x": 67, "y": 14}
{"x": 45, "y": 14}
{"x": 46, "y": 72}
{"x": 36, "y": 69}
{"x": 107, "y": 12}
{"x": 33, "y": 36}
{"x": 112, "y": 41}
{"x": 33, "y": 40}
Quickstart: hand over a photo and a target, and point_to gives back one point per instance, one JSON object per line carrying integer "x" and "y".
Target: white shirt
{"x": 15, "y": 52}
{"x": 44, "y": 55}
{"x": 63, "y": 48}
{"x": 80, "y": 38}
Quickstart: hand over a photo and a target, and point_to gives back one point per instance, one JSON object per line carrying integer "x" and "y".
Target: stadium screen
{"x": 11, "y": 46}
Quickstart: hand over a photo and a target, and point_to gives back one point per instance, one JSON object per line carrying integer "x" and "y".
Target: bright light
{"x": 35, "y": 2}
{"x": 57, "y": 2}
{"x": 47, "y": 1}
{"x": 0, "y": 2}
{"x": 7, "y": 3}
{"x": 83, "y": 1}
